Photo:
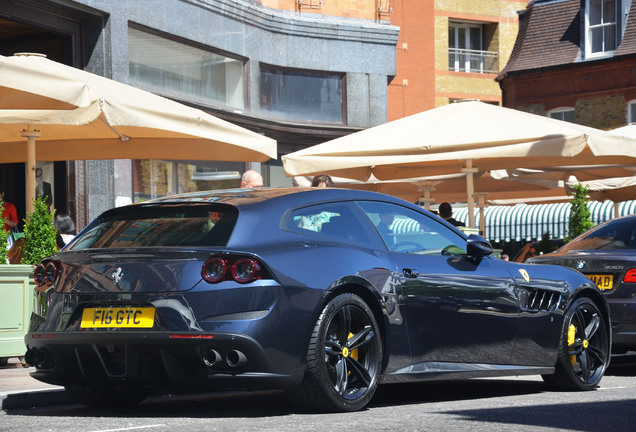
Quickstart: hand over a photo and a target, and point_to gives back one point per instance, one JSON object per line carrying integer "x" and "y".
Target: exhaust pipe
{"x": 40, "y": 358}
{"x": 236, "y": 359}
{"x": 211, "y": 358}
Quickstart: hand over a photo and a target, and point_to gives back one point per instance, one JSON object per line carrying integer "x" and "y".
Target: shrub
{"x": 40, "y": 234}
{"x": 4, "y": 237}
{"x": 580, "y": 216}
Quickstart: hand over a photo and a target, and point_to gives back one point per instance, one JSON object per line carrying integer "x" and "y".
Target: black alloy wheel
{"x": 584, "y": 349}
{"x": 343, "y": 359}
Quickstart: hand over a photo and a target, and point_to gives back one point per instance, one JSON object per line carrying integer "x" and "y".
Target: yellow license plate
{"x": 118, "y": 317}
{"x": 604, "y": 282}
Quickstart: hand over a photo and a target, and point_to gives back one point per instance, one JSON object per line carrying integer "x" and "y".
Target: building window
{"x": 600, "y": 21}
{"x": 181, "y": 70}
{"x": 631, "y": 112}
{"x": 565, "y": 114}
{"x": 466, "y": 49}
{"x": 302, "y": 95}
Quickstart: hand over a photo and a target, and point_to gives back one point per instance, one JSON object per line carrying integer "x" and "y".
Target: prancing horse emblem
{"x": 117, "y": 275}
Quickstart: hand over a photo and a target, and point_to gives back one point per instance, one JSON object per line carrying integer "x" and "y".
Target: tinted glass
{"x": 619, "y": 234}
{"x": 333, "y": 221}
{"x": 166, "y": 225}
{"x": 405, "y": 230}
{"x": 302, "y": 95}
{"x": 172, "y": 67}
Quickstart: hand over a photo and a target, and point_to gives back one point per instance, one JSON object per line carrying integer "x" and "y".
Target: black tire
{"x": 107, "y": 397}
{"x": 583, "y": 359}
{"x": 4, "y": 361}
{"x": 343, "y": 359}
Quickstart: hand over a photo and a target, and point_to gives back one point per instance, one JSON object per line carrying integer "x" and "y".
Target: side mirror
{"x": 477, "y": 246}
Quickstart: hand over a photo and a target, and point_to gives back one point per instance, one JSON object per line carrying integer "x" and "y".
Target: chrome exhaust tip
{"x": 236, "y": 359}
{"x": 211, "y": 358}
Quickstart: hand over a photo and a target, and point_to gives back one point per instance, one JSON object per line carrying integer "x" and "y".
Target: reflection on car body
{"x": 298, "y": 289}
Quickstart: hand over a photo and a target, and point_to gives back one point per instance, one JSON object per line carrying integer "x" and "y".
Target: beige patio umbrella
{"x": 461, "y": 137}
{"x": 112, "y": 121}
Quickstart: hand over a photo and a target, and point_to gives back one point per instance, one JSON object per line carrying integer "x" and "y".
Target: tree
{"x": 40, "y": 234}
{"x": 580, "y": 216}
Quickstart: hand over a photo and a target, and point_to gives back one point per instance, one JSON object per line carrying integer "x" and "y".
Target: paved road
{"x": 491, "y": 405}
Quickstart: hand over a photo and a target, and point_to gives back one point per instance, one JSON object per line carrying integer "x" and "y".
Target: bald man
{"x": 251, "y": 179}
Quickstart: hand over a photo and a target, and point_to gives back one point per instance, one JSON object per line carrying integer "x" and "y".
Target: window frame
{"x": 631, "y": 111}
{"x": 168, "y": 92}
{"x": 562, "y": 110}
{"x": 603, "y": 25}
{"x": 270, "y": 68}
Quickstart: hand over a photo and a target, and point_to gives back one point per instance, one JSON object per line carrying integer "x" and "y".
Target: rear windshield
{"x": 619, "y": 234}
{"x": 160, "y": 225}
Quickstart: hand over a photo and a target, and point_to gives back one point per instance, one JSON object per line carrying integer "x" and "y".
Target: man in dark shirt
{"x": 446, "y": 213}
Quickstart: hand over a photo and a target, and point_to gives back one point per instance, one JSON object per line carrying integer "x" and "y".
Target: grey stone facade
{"x": 364, "y": 50}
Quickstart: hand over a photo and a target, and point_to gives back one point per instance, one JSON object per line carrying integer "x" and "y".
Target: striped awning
{"x": 524, "y": 222}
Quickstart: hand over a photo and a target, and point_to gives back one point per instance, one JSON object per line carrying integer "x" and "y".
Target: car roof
{"x": 246, "y": 197}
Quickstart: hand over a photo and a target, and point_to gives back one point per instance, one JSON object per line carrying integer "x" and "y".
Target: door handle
{"x": 410, "y": 273}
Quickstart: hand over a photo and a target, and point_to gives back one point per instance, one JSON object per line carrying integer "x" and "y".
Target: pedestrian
{"x": 65, "y": 229}
{"x": 251, "y": 179}
{"x": 446, "y": 213}
{"x": 505, "y": 257}
{"x": 528, "y": 251}
{"x": 10, "y": 215}
{"x": 322, "y": 180}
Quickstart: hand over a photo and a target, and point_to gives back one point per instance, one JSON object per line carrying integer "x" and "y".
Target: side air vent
{"x": 540, "y": 300}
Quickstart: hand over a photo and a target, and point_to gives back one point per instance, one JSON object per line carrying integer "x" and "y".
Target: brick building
{"x": 575, "y": 60}
{"x": 449, "y": 50}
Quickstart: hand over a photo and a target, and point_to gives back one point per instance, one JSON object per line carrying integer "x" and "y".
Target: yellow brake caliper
{"x": 571, "y": 334}
{"x": 353, "y": 353}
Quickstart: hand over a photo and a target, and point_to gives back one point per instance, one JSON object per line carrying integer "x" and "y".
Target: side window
{"x": 408, "y": 231}
{"x": 334, "y": 221}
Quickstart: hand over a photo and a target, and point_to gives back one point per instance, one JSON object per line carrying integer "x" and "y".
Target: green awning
{"x": 524, "y": 222}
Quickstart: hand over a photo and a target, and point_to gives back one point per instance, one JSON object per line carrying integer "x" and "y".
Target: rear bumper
{"x": 159, "y": 361}
{"x": 623, "y": 314}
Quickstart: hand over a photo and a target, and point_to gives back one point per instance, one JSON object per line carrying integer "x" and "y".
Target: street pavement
{"x": 19, "y": 390}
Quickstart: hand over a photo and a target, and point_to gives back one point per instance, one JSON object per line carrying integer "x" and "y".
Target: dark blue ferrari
{"x": 324, "y": 293}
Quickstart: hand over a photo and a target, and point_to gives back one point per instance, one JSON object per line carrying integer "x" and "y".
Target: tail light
{"x": 46, "y": 273}
{"x": 630, "y": 276}
{"x": 232, "y": 267}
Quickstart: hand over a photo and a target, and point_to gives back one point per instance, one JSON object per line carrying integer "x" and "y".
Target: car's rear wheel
{"x": 584, "y": 350}
{"x": 343, "y": 359}
{"x": 107, "y": 397}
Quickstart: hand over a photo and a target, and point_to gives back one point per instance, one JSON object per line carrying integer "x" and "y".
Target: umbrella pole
{"x": 30, "y": 134}
{"x": 470, "y": 190}
{"x": 482, "y": 213}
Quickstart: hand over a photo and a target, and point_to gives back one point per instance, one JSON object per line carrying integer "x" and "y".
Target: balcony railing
{"x": 465, "y": 60}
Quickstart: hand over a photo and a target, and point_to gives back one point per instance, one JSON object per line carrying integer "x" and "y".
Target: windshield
{"x": 160, "y": 225}
{"x": 617, "y": 234}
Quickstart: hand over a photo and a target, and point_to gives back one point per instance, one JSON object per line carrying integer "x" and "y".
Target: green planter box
{"x": 18, "y": 299}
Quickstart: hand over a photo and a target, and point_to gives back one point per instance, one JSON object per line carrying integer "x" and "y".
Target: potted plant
{"x": 17, "y": 288}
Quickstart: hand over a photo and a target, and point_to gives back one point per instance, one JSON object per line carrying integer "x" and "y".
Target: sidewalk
{"x": 18, "y": 390}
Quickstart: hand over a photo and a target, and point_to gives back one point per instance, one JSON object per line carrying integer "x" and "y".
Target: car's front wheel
{"x": 343, "y": 359}
{"x": 106, "y": 397}
{"x": 584, "y": 348}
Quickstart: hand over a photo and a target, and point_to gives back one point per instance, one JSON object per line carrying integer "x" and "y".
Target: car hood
{"x": 119, "y": 270}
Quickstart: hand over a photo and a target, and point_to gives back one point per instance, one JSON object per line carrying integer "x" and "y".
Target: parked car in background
{"x": 323, "y": 292}
{"x": 607, "y": 255}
